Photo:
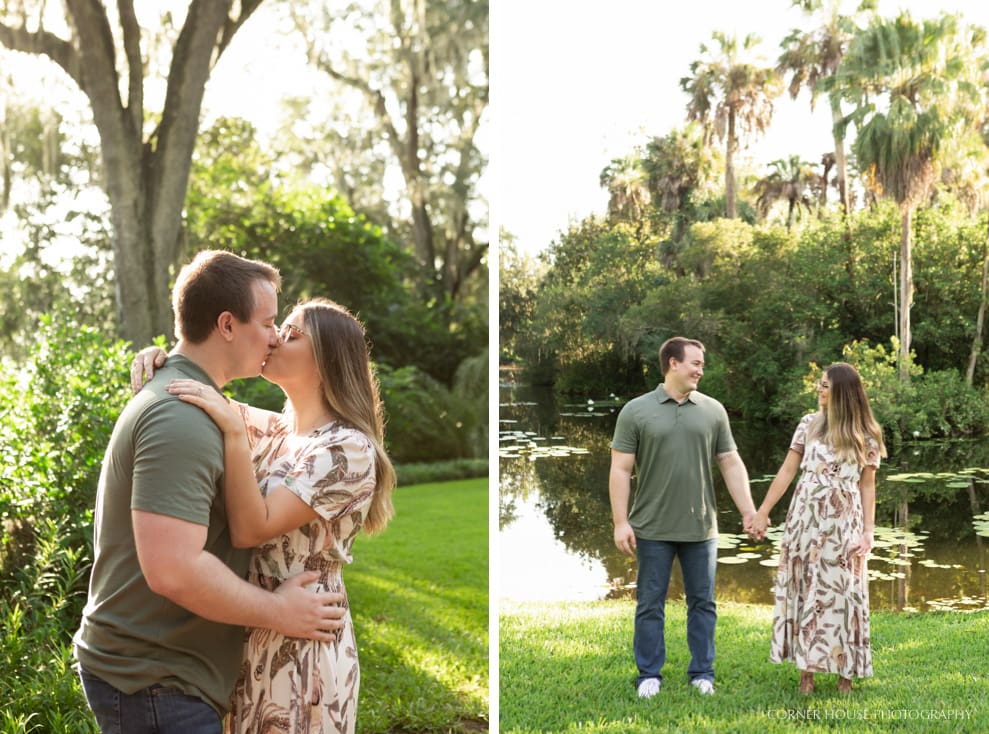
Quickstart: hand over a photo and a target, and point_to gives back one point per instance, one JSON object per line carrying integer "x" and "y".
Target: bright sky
{"x": 576, "y": 84}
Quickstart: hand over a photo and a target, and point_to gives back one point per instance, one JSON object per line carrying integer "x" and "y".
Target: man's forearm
{"x": 619, "y": 490}
{"x": 208, "y": 588}
{"x": 737, "y": 481}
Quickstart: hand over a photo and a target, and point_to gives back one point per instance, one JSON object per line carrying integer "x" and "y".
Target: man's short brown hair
{"x": 675, "y": 348}
{"x": 213, "y": 282}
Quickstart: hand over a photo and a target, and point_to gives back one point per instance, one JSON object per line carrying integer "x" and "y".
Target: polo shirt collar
{"x": 664, "y": 396}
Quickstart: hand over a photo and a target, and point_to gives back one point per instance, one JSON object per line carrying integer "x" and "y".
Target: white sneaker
{"x": 703, "y": 685}
{"x": 649, "y": 687}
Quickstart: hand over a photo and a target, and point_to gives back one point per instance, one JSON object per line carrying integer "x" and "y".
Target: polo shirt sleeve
{"x": 726, "y": 441}
{"x": 626, "y": 436}
{"x": 335, "y": 474}
{"x": 178, "y": 462}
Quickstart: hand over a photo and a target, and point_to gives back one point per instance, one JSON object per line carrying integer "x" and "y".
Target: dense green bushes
{"x": 59, "y": 410}
{"x": 931, "y": 405}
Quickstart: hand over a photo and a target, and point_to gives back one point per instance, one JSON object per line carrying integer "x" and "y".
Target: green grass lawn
{"x": 568, "y": 667}
{"x": 419, "y": 596}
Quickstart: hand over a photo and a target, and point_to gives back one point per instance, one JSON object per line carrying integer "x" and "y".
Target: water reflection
{"x": 528, "y": 543}
{"x": 555, "y": 516}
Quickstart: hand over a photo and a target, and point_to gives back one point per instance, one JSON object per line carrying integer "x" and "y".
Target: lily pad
{"x": 732, "y": 560}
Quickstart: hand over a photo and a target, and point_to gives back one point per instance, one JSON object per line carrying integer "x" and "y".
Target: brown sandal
{"x": 844, "y": 685}
{"x": 806, "y": 683}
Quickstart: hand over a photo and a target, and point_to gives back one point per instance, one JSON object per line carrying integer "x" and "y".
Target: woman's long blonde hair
{"x": 847, "y": 421}
{"x": 351, "y": 391}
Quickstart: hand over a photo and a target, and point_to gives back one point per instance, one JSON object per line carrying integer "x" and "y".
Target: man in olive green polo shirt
{"x": 161, "y": 640}
{"x": 670, "y": 438}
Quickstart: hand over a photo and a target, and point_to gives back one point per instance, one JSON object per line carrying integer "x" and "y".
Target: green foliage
{"x": 40, "y": 605}
{"x": 769, "y": 303}
{"x": 598, "y": 272}
{"x": 931, "y": 405}
{"x": 323, "y": 247}
{"x": 59, "y": 410}
{"x": 518, "y": 279}
{"x": 257, "y": 392}
{"x": 425, "y": 420}
{"x": 440, "y": 471}
{"x": 40, "y": 278}
{"x": 935, "y": 404}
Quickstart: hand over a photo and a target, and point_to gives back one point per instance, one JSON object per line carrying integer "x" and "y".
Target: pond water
{"x": 555, "y": 534}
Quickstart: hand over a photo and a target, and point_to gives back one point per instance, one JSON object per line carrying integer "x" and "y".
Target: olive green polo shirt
{"x": 675, "y": 447}
{"x": 166, "y": 457}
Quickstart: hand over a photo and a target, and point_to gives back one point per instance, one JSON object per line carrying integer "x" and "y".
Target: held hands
{"x": 755, "y": 524}
{"x": 144, "y": 364}
{"x": 310, "y": 615}
{"x": 226, "y": 417}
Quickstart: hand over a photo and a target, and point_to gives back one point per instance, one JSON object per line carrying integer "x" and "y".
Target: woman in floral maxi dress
{"x": 821, "y": 614}
{"x": 300, "y": 486}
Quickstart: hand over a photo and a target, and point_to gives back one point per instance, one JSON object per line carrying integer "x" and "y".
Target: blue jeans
{"x": 153, "y": 710}
{"x": 697, "y": 563}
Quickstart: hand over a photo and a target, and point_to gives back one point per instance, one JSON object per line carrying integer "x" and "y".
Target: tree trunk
{"x": 840, "y": 160}
{"x": 146, "y": 182}
{"x": 415, "y": 181}
{"x": 980, "y": 320}
{"x": 906, "y": 292}
{"x": 730, "y": 212}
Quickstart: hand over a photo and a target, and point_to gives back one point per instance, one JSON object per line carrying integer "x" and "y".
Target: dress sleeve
{"x": 260, "y": 423}
{"x": 799, "y": 439}
{"x": 335, "y": 474}
{"x": 871, "y": 452}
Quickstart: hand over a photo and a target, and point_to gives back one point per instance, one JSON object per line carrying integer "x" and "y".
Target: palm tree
{"x": 811, "y": 56}
{"x": 625, "y": 181}
{"x": 792, "y": 181}
{"x": 828, "y": 161}
{"x": 677, "y": 166}
{"x": 730, "y": 97}
{"x": 924, "y": 73}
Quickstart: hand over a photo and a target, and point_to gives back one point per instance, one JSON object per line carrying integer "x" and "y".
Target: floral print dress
{"x": 287, "y": 684}
{"x": 821, "y": 614}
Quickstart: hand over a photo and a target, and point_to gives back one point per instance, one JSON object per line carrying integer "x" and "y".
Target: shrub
{"x": 440, "y": 471}
{"x": 426, "y": 421}
{"x": 59, "y": 411}
{"x": 931, "y": 405}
